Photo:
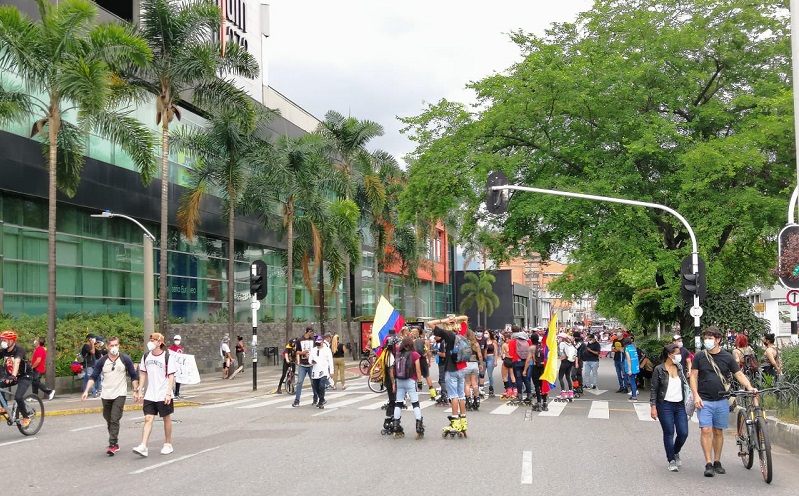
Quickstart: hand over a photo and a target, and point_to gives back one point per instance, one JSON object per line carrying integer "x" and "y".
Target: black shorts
{"x": 425, "y": 369}
{"x": 507, "y": 362}
{"x": 158, "y": 408}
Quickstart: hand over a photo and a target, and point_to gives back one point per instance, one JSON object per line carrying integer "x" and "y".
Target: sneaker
{"x": 141, "y": 450}
{"x": 113, "y": 448}
{"x": 295, "y": 404}
{"x": 677, "y": 459}
{"x": 322, "y": 403}
{"x": 718, "y": 468}
{"x": 167, "y": 449}
{"x": 51, "y": 395}
{"x": 673, "y": 466}
{"x": 314, "y": 402}
{"x": 709, "y": 472}
{"x": 632, "y": 398}
{"x": 24, "y": 422}
{"x": 176, "y": 397}
{"x": 621, "y": 390}
{"x": 593, "y": 387}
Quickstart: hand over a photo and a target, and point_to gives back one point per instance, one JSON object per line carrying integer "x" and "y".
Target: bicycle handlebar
{"x": 771, "y": 390}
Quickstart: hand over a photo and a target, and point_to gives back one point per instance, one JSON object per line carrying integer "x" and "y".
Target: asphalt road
{"x": 600, "y": 445}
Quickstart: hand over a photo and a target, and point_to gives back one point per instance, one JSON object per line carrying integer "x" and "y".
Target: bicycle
{"x": 365, "y": 365}
{"x": 35, "y": 409}
{"x": 752, "y": 432}
{"x": 291, "y": 380}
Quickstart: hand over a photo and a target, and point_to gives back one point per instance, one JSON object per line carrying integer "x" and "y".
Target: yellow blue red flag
{"x": 386, "y": 317}
{"x": 550, "y": 374}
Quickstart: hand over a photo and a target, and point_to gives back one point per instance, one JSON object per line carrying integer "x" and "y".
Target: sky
{"x": 379, "y": 59}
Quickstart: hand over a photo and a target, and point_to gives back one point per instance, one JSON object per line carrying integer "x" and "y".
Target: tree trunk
{"x": 322, "y": 297}
{"x": 53, "y": 126}
{"x": 377, "y": 279}
{"x": 337, "y": 296}
{"x": 163, "y": 271}
{"x": 289, "y": 267}
{"x": 348, "y": 295}
{"x": 231, "y": 268}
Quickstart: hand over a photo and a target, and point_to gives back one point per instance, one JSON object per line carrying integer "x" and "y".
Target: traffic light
{"x": 788, "y": 257}
{"x": 693, "y": 283}
{"x": 497, "y": 201}
{"x": 258, "y": 279}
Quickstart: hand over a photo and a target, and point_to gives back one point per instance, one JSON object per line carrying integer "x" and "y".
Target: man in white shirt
{"x": 157, "y": 380}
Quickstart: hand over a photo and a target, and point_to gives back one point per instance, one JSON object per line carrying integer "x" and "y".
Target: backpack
{"x": 403, "y": 366}
{"x": 462, "y": 351}
{"x": 538, "y": 356}
{"x": 750, "y": 362}
{"x": 166, "y": 361}
{"x": 522, "y": 348}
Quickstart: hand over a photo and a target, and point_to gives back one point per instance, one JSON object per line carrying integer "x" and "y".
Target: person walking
{"x": 156, "y": 380}
{"x": 339, "y": 363}
{"x": 88, "y": 355}
{"x": 618, "y": 362}
{"x": 567, "y": 354}
{"x": 631, "y": 367}
{"x": 113, "y": 367}
{"x": 227, "y": 358}
{"x": 38, "y": 360}
{"x": 686, "y": 355}
{"x": 667, "y": 402}
{"x": 241, "y": 351}
{"x": 591, "y": 353}
{"x": 304, "y": 347}
{"x": 176, "y": 347}
{"x": 771, "y": 362}
{"x": 710, "y": 378}
{"x": 321, "y": 369}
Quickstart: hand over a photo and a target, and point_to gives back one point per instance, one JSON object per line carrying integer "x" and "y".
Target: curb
{"x": 783, "y": 434}
{"x": 127, "y": 408}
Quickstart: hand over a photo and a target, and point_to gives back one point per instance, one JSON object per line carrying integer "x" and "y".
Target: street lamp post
{"x": 148, "y": 272}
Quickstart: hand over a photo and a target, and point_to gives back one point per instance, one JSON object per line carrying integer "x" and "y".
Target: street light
{"x": 148, "y": 272}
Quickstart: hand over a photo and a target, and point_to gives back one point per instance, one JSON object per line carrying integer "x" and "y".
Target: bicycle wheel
{"x": 290, "y": 381}
{"x": 35, "y": 409}
{"x": 764, "y": 450}
{"x": 364, "y": 366}
{"x": 376, "y": 386}
{"x": 745, "y": 450}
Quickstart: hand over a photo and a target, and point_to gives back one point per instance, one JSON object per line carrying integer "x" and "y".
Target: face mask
{"x": 679, "y": 344}
{"x": 4, "y": 345}
{"x": 114, "y": 350}
{"x": 676, "y": 359}
{"x": 150, "y": 345}
{"x": 710, "y": 343}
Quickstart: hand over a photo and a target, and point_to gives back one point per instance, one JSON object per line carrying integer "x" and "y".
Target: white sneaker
{"x": 51, "y": 395}
{"x": 141, "y": 450}
{"x": 167, "y": 449}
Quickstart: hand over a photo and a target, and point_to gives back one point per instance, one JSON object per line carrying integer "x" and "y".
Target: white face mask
{"x": 151, "y": 345}
{"x": 676, "y": 359}
{"x": 679, "y": 344}
{"x": 4, "y": 345}
{"x": 709, "y": 343}
{"x": 114, "y": 350}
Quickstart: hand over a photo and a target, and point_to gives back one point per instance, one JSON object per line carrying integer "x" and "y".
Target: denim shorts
{"x": 714, "y": 414}
{"x": 455, "y": 384}
{"x": 471, "y": 369}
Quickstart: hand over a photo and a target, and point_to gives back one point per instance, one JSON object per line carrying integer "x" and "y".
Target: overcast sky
{"x": 378, "y": 59}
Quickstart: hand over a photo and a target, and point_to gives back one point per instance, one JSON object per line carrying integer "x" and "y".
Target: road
{"x": 600, "y": 444}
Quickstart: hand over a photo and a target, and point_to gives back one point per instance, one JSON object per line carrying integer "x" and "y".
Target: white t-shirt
{"x": 157, "y": 379}
{"x": 224, "y": 350}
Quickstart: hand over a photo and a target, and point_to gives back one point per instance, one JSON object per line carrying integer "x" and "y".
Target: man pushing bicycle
{"x": 15, "y": 371}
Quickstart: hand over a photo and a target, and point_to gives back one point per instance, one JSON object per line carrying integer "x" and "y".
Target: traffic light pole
{"x": 792, "y": 205}
{"x": 254, "y": 305}
{"x": 696, "y": 310}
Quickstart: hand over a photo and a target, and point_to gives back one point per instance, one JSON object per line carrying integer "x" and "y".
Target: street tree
{"x": 69, "y": 65}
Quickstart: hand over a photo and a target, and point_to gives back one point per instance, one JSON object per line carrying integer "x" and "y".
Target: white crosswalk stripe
{"x": 555, "y": 409}
{"x": 351, "y": 401}
{"x": 644, "y": 412}
{"x": 599, "y": 409}
{"x": 373, "y": 406}
{"x": 505, "y": 409}
{"x": 270, "y": 402}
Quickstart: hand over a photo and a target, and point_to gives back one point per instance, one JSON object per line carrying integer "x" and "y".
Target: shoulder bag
{"x": 687, "y": 395}
{"x": 724, "y": 381}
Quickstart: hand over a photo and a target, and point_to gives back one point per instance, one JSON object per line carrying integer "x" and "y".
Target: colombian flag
{"x": 550, "y": 374}
{"x": 385, "y": 318}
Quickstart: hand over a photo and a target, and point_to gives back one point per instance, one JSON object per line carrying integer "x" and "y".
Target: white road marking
{"x": 505, "y": 409}
{"x": 339, "y": 404}
{"x": 426, "y": 403}
{"x": 555, "y": 409}
{"x": 324, "y": 411}
{"x": 228, "y": 403}
{"x": 87, "y": 428}
{"x": 18, "y": 441}
{"x": 267, "y": 403}
{"x": 595, "y": 391}
{"x": 599, "y": 409}
{"x": 644, "y": 412}
{"x": 373, "y": 406}
{"x": 184, "y": 457}
{"x": 527, "y": 467}
{"x": 331, "y": 396}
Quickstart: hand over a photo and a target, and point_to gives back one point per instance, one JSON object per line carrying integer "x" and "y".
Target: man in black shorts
{"x": 157, "y": 381}
{"x": 14, "y": 371}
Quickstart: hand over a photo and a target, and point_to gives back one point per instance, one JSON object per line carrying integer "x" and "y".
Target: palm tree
{"x": 349, "y": 137}
{"x": 478, "y": 290}
{"x": 186, "y": 60}
{"x": 224, "y": 152}
{"x": 73, "y": 62}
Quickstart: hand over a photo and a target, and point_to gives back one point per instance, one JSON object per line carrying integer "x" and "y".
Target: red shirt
{"x": 41, "y": 353}
{"x": 176, "y": 348}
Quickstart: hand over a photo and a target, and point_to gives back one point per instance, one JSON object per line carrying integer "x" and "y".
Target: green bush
{"x": 790, "y": 363}
{"x": 71, "y": 333}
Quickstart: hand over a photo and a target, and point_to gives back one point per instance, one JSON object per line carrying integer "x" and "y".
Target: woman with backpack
{"x": 745, "y": 355}
{"x": 472, "y": 373}
{"x": 631, "y": 367}
{"x": 406, "y": 371}
{"x": 536, "y": 370}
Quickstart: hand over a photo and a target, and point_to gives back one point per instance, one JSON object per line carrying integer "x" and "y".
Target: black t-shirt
{"x": 590, "y": 357}
{"x": 305, "y": 345}
{"x": 482, "y": 344}
{"x": 448, "y": 338}
{"x": 685, "y": 354}
{"x": 7, "y": 357}
{"x": 339, "y": 353}
{"x": 89, "y": 356}
{"x": 709, "y": 384}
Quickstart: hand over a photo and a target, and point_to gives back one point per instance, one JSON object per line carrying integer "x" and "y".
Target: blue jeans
{"x": 407, "y": 386}
{"x": 86, "y": 376}
{"x": 302, "y": 372}
{"x": 672, "y": 417}
{"x": 490, "y": 370}
{"x": 455, "y": 384}
{"x": 632, "y": 379}
{"x": 620, "y": 375}
{"x": 522, "y": 379}
{"x": 590, "y": 369}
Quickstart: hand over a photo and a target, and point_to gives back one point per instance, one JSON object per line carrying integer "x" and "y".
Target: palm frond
{"x": 118, "y": 45}
{"x": 133, "y": 137}
{"x": 14, "y": 105}
{"x": 189, "y": 216}
{"x": 238, "y": 62}
{"x": 70, "y": 156}
{"x": 216, "y": 95}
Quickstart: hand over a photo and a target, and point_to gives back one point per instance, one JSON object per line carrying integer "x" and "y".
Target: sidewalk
{"x": 212, "y": 389}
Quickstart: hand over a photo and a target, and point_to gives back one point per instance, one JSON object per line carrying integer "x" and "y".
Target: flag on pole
{"x": 550, "y": 374}
{"x": 386, "y": 317}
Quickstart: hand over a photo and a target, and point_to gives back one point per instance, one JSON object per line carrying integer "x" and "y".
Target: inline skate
{"x": 563, "y": 398}
{"x": 476, "y": 403}
{"x": 388, "y": 426}
{"x": 490, "y": 391}
{"x": 419, "y": 429}
{"x": 453, "y": 429}
{"x": 398, "y": 432}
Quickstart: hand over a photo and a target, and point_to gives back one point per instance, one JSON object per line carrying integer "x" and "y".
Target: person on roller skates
{"x": 405, "y": 372}
{"x": 386, "y": 360}
{"x": 457, "y": 352}
{"x": 422, "y": 346}
{"x": 471, "y": 373}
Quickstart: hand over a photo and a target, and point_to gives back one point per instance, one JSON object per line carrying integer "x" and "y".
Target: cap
{"x": 157, "y": 336}
{"x": 177, "y": 337}
{"x": 320, "y": 339}
{"x": 90, "y": 336}
{"x": 676, "y": 337}
{"x": 562, "y": 335}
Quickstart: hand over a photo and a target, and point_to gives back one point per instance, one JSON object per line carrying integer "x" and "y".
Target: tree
{"x": 74, "y": 62}
{"x": 348, "y": 137}
{"x": 186, "y": 61}
{"x": 479, "y": 291}
{"x": 683, "y": 104}
{"x": 224, "y": 151}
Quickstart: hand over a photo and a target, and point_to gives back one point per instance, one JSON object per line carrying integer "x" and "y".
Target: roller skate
{"x": 384, "y": 405}
{"x": 442, "y": 400}
{"x": 388, "y": 426}
{"x": 537, "y": 406}
{"x": 398, "y": 433}
{"x": 570, "y": 396}
{"x": 419, "y": 386}
{"x": 528, "y": 401}
{"x": 419, "y": 429}
{"x": 563, "y": 398}
{"x": 476, "y": 403}
{"x": 482, "y": 393}
{"x": 433, "y": 394}
{"x": 544, "y": 407}
{"x": 462, "y": 427}
{"x": 490, "y": 391}
{"x": 453, "y": 428}
{"x": 468, "y": 403}
{"x": 506, "y": 395}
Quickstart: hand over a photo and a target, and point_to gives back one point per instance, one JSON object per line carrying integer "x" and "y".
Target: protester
{"x": 590, "y": 357}
{"x": 38, "y": 360}
{"x": 491, "y": 354}
{"x": 305, "y": 345}
{"x": 12, "y": 358}
{"x": 406, "y": 371}
{"x": 667, "y": 403}
{"x": 631, "y": 366}
{"x": 113, "y": 367}
{"x": 567, "y": 354}
{"x": 686, "y": 355}
{"x": 710, "y": 377}
{"x": 321, "y": 369}
{"x": 455, "y": 371}
{"x": 156, "y": 378}
{"x": 88, "y": 355}
{"x": 618, "y": 362}
{"x": 176, "y": 347}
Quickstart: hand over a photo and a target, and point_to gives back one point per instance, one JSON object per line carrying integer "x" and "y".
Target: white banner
{"x": 187, "y": 369}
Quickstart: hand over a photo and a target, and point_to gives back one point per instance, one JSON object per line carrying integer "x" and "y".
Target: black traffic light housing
{"x": 693, "y": 283}
{"x": 497, "y": 201}
{"x": 788, "y": 278}
{"x": 258, "y": 279}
